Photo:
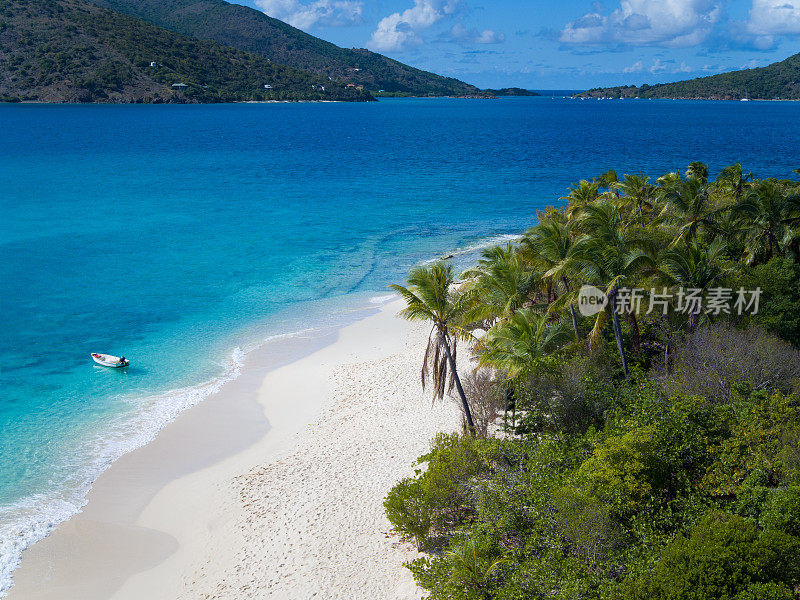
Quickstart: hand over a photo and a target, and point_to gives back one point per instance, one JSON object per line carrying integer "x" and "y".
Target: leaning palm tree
{"x": 515, "y": 345}
{"x": 430, "y": 297}
{"x": 609, "y": 255}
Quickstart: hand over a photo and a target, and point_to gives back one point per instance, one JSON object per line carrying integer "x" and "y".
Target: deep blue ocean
{"x": 182, "y": 236}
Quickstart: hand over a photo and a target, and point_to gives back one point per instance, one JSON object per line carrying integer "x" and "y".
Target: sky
{"x": 560, "y": 44}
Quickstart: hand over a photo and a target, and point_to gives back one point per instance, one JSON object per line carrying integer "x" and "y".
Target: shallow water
{"x": 176, "y": 234}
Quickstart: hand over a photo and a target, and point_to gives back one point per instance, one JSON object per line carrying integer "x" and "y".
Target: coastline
{"x": 189, "y": 514}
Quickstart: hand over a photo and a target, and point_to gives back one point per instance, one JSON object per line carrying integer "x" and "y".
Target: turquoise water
{"x": 200, "y": 231}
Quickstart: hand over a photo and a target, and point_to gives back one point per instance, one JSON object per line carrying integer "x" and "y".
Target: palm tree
{"x": 548, "y": 245}
{"x": 767, "y": 216}
{"x": 609, "y": 179}
{"x": 688, "y": 207}
{"x": 729, "y": 227}
{"x": 513, "y": 346}
{"x": 608, "y": 255}
{"x": 693, "y": 266}
{"x": 668, "y": 179}
{"x": 430, "y": 297}
{"x": 471, "y": 569}
{"x": 639, "y": 194}
{"x": 499, "y": 285}
{"x": 580, "y": 195}
{"x": 735, "y": 180}
{"x": 698, "y": 170}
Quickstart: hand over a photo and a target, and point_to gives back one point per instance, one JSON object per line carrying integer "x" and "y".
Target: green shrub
{"x": 408, "y": 511}
{"x": 766, "y": 591}
{"x": 781, "y": 511}
{"x": 779, "y": 309}
{"x": 584, "y": 525}
{"x": 620, "y": 469}
{"x": 764, "y": 438}
{"x": 724, "y": 557}
{"x": 441, "y": 497}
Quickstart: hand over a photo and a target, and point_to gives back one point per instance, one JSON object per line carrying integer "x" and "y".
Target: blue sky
{"x": 557, "y": 44}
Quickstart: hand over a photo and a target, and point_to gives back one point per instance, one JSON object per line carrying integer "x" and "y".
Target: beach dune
{"x": 271, "y": 488}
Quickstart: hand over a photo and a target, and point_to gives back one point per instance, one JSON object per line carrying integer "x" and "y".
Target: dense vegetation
{"x": 778, "y": 81}
{"x": 512, "y": 91}
{"x": 252, "y": 31}
{"x": 75, "y": 51}
{"x": 642, "y": 454}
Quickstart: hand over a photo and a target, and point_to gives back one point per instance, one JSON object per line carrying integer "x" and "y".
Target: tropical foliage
{"x": 653, "y": 449}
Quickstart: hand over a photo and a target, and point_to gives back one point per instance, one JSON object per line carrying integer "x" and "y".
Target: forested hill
{"x": 512, "y": 91}
{"x": 253, "y": 31}
{"x": 778, "y": 81}
{"x": 76, "y": 51}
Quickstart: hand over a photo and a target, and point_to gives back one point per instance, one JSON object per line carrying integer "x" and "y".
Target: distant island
{"x": 778, "y": 81}
{"x": 76, "y": 51}
{"x": 253, "y": 31}
{"x": 184, "y": 51}
{"x": 511, "y": 91}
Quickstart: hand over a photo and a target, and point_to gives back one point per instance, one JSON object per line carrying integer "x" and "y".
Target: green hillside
{"x": 253, "y": 31}
{"x": 778, "y": 81}
{"x": 76, "y": 51}
{"x": 511, "y": 91}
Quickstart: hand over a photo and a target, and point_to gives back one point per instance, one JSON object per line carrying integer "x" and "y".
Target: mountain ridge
{"x": 777, "y": 81}
{"x": 253, "y": 31}
{"x": 77, "y": 51}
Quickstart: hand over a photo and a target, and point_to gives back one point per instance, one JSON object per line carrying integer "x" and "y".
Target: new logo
{"x": 591, "y": 300}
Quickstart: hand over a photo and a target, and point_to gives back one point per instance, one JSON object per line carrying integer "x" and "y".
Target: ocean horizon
{"x": 184, "y": 236}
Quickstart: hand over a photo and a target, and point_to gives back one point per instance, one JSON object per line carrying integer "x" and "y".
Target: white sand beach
{"x": 271, "y": 488}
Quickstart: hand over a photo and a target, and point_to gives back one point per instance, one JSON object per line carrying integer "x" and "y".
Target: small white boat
{"x": 110, "y": 361}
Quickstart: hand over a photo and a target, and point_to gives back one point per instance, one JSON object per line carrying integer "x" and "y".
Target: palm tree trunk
{"x": 572, "y": 311}
{"x": 464, "y": 404}
{"x": 618, "y": 333}
{"x": 574, "y": 322}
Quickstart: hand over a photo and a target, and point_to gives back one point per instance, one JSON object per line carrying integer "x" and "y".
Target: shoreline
{"x": 139, "y": 534}
{"x": 133, "y": 432}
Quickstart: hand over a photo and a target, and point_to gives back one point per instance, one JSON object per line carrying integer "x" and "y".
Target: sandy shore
{"x": 272, "y": 488}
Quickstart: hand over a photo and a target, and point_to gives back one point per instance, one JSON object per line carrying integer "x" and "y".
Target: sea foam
{"x": 482, "y": 244}
{"x": 32, "y": 518}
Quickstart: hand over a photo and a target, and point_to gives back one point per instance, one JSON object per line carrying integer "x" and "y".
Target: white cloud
{"x": 333, "y": 13}
{"x": 658, "y": 66}
{"x": 459, "y": 33}
{"x": 488, "y": 36}
{"x": 774, "y": 17}
{"x": 636, "y": 67}
{"x": 673, "y": 23}
{"x": 400, "y": 30}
